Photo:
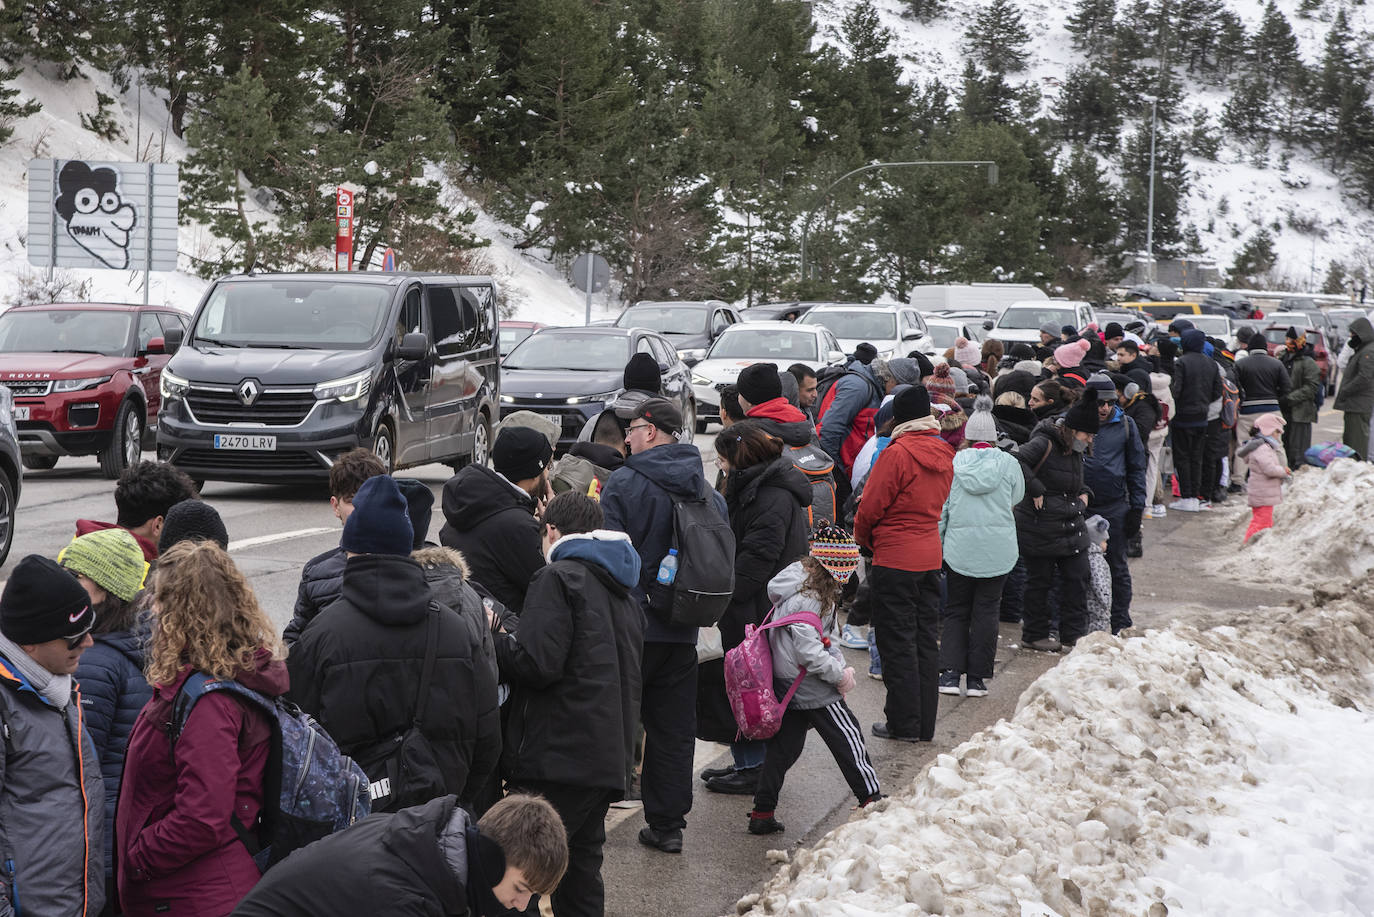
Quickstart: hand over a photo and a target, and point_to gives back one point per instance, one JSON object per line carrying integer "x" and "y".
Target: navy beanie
{"x": 380, "y": 521}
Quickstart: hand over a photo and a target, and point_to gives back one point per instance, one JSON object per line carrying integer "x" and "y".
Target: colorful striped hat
{"x": 836, "y": 551}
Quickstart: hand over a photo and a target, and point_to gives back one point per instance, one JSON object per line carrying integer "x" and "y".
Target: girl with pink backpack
{"x": 808, "y": 589}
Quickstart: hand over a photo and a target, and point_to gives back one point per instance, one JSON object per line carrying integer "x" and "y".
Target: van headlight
{"x": 588, "y": 399}
{"x": 172, "y": 386}
{"x": 76, "y": 385}
{"x": 349, "y": 388}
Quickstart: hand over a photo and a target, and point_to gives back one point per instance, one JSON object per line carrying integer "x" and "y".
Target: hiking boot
{"x": 1219, "y": 495}
{"x": 668, "y": 841}
{"x": 949, "y": 682}
{"x": 881, "y": 731}
{"x": 760, "y": 823}
{"x": 1234, "y": 487}
{"x": 742, "y": 782}
{"x": 1043, "y": 645}
{"x": 974, "y": 687}
{"x": 853, "y": 638}
{"x": 711, "y": 773}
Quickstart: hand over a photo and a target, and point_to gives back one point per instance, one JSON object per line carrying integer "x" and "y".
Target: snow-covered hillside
{"x": 1305, "y": 193}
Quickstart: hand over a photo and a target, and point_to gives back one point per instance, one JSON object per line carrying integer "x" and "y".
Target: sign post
{"x": 343, "y": 236}
{"x": 590, "y": 273}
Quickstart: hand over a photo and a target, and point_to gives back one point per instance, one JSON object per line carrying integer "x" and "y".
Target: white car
{"x": 741, "y": 345}
{"x": 1020, "y": 322}
{"x": 894, "y": 331}
{"x": 943, "y": 332}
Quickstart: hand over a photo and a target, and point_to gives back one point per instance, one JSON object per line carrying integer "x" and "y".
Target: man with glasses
{"x": 52, "y": 801}
{"x": 638, "y": 500}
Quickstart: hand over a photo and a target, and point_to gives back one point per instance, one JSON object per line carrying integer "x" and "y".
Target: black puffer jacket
{"x": 1015, "y": 422}
{"x": 356, "y": 668}
{"x": 320, "y": 580}
{"x": 493, "y": 524}
{"x": 574, "y": 667}
{"x": 1196, "y": 383}
{"x": 1057, "y": 528}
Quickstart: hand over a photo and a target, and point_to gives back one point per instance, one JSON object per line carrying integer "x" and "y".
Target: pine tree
{"x": 1171, "y": 188}
{"x": 1092, "y": 24}
{"x": 1248, "y": 114}
{"x": 1087, "y": 241}
{"x": 988, "y": 98}
{"x": 11, "y": 108}
{"x": 998, "y": 39}
{"x": 925, "y": 10}
{"x": 1089, "y": 109}
{"x": 1230, "y": 44}
{"x": 1255, "y": 259}
{"x": 1335, "y": 281}
{"x": 881, "y": 102}
{"x": 1204, "y": 140}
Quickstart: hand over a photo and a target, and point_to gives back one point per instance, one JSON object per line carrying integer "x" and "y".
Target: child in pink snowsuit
{"x": 1268, "y": 471}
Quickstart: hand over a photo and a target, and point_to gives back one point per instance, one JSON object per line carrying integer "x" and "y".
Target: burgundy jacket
{"x": 177, "y": 850}
{"x": 899, "y": 515}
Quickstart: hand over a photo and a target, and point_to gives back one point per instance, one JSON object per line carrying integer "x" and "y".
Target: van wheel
{"x": 7, "y": 509}
{"x": 481, "y": 441}
{"x": 39, "y": 462}
{"x": 384, "y": 447}
{"x": 126, "y": 441}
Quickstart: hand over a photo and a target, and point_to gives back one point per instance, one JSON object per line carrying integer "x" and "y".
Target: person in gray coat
{"x": 52, "y": 802}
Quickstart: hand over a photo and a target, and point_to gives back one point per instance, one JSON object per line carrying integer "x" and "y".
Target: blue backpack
{"x": 312, "y": 789}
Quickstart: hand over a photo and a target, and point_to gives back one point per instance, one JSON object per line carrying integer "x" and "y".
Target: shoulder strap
{"x": 196, "y": 686}
{"x": 427, "y": 672}
{"x": 800, "y": 617}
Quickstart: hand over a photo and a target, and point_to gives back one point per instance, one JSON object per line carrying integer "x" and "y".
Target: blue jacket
{"x": 637, "y": 499}
{"x": 852, "y": 395}
{"x": 1115, "y": 471}
{"x": 977, "y": 528}
{"x": 113, "y": 691}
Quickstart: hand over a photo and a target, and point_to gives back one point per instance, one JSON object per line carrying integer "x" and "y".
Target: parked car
{"x": 571, "y": 374}
{"x": 513, "y": 332}
{"x": 783, "y": 343}
{"x": 691, "y": 326}
{"x": 892, "y": 330}
{"x": 775, "y": 312}
{"x": 1214, "y": 326}
{"x": 1152, "y": 292}
{"x": 84, "y": 377}
{"x": 1021, "y": 321}
{"x": 1276, "y": 335}
{"x": 1236, "y": 304}
{"x": 1340, "y": 323}
{"x": 11, "y": 478}
{"x": 944, "y": 331}
{"x": 1300, "y": 319}
{"x": 280, "y": 373}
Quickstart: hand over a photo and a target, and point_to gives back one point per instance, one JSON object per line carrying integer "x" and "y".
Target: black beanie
{"x": 192, "y": 520}
{"x": 923, "y": 361}
{"x": 1082, "y": 415}
{"x": 380, "y": 521}
{"x": 1113, "y": 330}
{"x": 419, "y": 506}
{"x": 911, "y": 404}
{"x": 1291, "y": 333}
{"x": 1257, "y": 342}
{"x": 43, "y": 602}
{"x": 521, "y": 453}
{"x": 759, "y": 382}
{"x": 642, "y": 374}
{"x": 1022, "y": 351}
{"x": 865, "y": 353}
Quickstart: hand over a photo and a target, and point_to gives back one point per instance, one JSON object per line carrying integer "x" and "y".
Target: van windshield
{"x": 293, "y": 314}
{"x": 1028, "y": 319}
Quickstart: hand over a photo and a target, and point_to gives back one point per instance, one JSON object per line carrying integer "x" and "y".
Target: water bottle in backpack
{"x": 667, "y": 569}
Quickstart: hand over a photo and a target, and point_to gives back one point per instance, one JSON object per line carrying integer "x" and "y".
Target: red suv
{"x": 85, "y": 379}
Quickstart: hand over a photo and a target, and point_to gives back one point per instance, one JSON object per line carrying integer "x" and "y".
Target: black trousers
{"x": 668, "y": 709}
{"x": 1188, "y": 447}
{"x": 839, "y": 729}
{"x": 1297, "y": 439}
{"x": 581, "y": 892}
{"x": 1072, "y": 575}
{"x": 906, "y": 608}
{"x": 1115, "y": 514}
{"x": 968, "y": 623}
{"x": 1013, "y": 592}
{"x": 1216, "y": 447}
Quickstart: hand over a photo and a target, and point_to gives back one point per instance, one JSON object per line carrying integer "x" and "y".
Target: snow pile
{"x": 1182, "y": 772}
{"x": 1325, "y": 514}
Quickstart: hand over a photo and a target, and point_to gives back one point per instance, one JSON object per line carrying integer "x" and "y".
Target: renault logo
{"x": 249, "y": 391}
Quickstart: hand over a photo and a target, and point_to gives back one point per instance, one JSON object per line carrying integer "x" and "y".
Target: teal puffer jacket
{"x": 977, "y": 528}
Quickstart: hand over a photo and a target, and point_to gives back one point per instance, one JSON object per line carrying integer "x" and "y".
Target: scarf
{"x": 919, "y": 425}
{"x": 55, "y": 689}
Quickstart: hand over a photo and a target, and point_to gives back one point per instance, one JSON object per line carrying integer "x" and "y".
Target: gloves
{"x": 1133, "y": 517}
{"x": 846, "y": 682}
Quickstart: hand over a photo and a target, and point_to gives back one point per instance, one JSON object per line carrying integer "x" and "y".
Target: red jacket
{"x": 899, "y": 514}
{"x": 86, "y": 526}
{"x": 178, "y": 853}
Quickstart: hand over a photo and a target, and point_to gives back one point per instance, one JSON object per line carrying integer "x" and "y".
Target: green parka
{"x": 1300, "y": 403}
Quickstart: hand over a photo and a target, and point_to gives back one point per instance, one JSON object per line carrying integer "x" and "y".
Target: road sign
{"x": 343, "y": 236}
{"x": 103, "y": 215}
{"x": 591, "y": 273}
{"x": 388, "y": 260}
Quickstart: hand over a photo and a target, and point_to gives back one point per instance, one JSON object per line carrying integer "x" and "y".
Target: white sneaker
{"x": 1204, "y": 505}
{"x": 1156, "y": 511}
{"x": 854, "y": 638}
{"x": 1185, "y": 505}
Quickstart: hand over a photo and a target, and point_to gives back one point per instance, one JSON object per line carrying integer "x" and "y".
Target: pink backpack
{"x": 749, "y": 677}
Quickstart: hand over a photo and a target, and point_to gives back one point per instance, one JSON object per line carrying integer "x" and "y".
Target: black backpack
{"x": 705, "y": 579}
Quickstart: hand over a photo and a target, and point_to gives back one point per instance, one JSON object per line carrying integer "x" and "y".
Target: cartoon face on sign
{"x": 96, "y": 216}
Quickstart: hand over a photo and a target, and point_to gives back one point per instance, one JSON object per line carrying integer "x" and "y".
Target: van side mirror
{"x": 171, "y": 341}
{"x": 414, "y": 346}
{"x": 155, "y": 345}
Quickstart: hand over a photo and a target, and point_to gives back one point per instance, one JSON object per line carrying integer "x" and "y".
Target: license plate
{"x": 246, "y": 441}
{"x": 21, "y": 412}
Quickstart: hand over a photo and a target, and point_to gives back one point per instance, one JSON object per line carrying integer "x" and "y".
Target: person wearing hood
{"x": 845, "y": 414}
{"x": 428, "y": 859}
{"x": 490, "y": 514}
{"x": 1196, "y": 384}
{"x": 1050, "y": 528}
{"x": 1219, "y": 445}
{"x": 760, "y": 395}
{"x": 575, "y": 658}
{"x": 1355, "y": 399}
{"x": 1114, "y": 472}
{"x": 978, "y": 538}
{"x": 357, "y": 666}
{"x": 638, "y": 500}
{"x": 177, "y": 848}
{"x": 1069, "y": 357}
{"x": 51, "y": 800}
{"x": 1268, "y": 472}
{"x": 767, "y": 499}
{"x": 143, "y": 494}
{"x": 1300, "y": 402}
{"x": 899, "y": 523}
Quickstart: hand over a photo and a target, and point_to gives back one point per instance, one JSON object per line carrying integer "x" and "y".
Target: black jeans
{"x": 1071, "y": 574}
{"x": 1188, "y": 446}
{"x": 1013, "y": 591}
{"x": 906, "y": 607}
{"x": 581, "y": 892}
{"x": 1213, "y": 451}
{"x": 668, "y": 710}
{"x": 1115, "y": 514}
{"x": 968, "y": 623}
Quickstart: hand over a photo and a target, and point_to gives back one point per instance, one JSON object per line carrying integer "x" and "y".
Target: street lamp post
{"x": 1150, "y": 211}
{"x": 806, "y": 224}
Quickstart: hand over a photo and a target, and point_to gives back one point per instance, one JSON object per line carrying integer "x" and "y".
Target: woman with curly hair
{"x": 182, "y": 807}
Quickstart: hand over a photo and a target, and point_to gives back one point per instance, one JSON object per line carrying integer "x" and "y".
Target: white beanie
{"x": 981, "y": 427}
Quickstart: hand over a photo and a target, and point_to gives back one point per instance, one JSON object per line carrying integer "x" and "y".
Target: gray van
{"x": 280, "y": 373}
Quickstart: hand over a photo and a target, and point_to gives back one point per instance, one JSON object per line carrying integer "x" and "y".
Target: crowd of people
{"x": 562, "y": 647}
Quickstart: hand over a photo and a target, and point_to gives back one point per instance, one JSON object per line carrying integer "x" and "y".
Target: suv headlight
{"x": 698, "y": 379}
{"x": 349, "y": 388}
{"x": 76, "y": 385}
{"x": 172, "y": 386}
{"x": 588, "y": 399}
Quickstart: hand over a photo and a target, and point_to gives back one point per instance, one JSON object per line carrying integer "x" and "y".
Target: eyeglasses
{"x": 634, "y": 427}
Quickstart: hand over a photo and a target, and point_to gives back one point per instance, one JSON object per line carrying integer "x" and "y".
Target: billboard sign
{"x": 103, "y": 215}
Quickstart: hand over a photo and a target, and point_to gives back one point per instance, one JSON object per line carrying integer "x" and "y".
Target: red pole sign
{"x": 343, "y": 236}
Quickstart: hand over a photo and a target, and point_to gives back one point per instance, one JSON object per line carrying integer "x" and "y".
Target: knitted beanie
{"x": 43, "y": 602}
{"x": 759, "y": 382}
{"x": 981, "y": 427}
{"x": 966, "y": 352}
{"x": 911, "y": 404}
{"x": 1071, "y": 354}
{"x": 836, "y": 550}
{"x": 192, "y": 520}
{"x": 110, "y": 558}
{"x": 380, "y": 521}
{"x": 940, "y": 381}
